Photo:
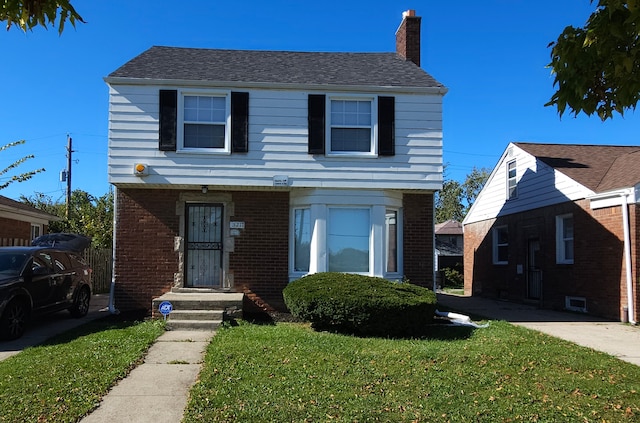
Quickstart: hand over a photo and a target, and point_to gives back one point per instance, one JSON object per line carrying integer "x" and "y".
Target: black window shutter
{"x": 168, "y": 120}
{"x": 239, "y": 122}
{"x": 316, "y": 113}
{"x": 386, "y": 126}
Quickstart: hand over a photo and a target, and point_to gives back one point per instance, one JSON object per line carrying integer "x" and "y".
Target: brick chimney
{"x": 408, "y": 37}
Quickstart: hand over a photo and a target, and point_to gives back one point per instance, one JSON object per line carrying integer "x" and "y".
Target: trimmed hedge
{"x": 361, "y": 305}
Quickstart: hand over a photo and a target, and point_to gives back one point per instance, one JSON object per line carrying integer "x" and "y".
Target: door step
{"x": 199, "y": 310}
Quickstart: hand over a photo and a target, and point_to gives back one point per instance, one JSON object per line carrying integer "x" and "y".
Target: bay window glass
{"x": 302, "y": 240}
{"x": 391, "y": 229}
{"x": 348, "y": 240}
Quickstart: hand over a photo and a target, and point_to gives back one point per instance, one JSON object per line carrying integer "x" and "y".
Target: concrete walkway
{"x": 617, "y": 339}
{"x": 158, "y": 390}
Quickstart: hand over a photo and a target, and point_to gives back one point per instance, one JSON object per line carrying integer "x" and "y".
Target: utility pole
{"x": 69, "y": 151}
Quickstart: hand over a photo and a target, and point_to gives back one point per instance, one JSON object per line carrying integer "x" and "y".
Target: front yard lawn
{"x": 503, "y": 373}
{"x": 64, "y": 379}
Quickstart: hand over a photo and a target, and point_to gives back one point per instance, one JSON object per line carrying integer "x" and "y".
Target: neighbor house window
{"x": 351, "y": 126}
{"x": 391, "y": 229}
{"x": 564, "y": 239}
{"x": 348, "y": 234}
{"x": 204, "y": 124}
{"x": 500, "y": 245}
{"x": 512, "y": 187}
{"x": 36, "y": 231}
{"x": 302, "y": 240}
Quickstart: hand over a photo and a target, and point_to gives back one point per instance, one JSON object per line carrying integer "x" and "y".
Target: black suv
{"x": 39, "y": 280}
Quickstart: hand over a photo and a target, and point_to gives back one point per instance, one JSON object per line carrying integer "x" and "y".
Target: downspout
{"x": 627, "y": 256}
{"x": 112, "y": 308}
{"x": 433, "y": 240}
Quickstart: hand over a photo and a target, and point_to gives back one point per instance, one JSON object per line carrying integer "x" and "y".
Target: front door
{"x": 534, "y": 273}
{"x": 204, "y": 246}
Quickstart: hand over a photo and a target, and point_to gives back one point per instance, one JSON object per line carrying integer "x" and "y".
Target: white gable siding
{"x": 538, "y": 185}
{"x": 277, "y": 146}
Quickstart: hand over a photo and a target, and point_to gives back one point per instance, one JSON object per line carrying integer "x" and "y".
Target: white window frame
{"x": 512, "y": 181}
{"x": 387, "y": 240}
{"x": 373, "y": 127}
{"x": 226, "y": 94}
{"x": 496, "y": 244}
{"x": 369, "y": 237}
{"x": 35, "y": 228}
{"x": 561, "y": 240}
{"x": 319, "y": 201}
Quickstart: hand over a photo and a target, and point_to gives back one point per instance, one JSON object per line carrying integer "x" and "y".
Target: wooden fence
{"x": 99, "y": 259}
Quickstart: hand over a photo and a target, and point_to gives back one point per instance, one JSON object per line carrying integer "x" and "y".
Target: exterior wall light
{"x": 140, "y": 169}
{"x": 205, "y": 188}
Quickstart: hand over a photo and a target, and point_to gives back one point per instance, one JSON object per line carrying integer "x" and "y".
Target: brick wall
{"x": 14, "y": 232}
{"x": 418, "y": 238}
{"x": 597, "y": 273}
{"x": 145, "y": 256}
{"x": 260, "y": 261}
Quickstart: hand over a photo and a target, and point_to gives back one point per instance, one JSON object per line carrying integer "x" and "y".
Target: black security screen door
{"x": 204, "y": 245}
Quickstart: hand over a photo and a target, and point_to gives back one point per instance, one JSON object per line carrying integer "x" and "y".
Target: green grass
{"x": 64, "y": 379}
{"x": 287, "y": 372}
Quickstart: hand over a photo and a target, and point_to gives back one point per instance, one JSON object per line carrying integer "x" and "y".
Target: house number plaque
{"x": 236, "y": 225}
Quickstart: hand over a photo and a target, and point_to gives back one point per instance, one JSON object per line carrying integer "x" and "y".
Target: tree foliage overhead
{"x": 91, "y": 216}
{"x": 7, "y": 180}
{"x": 597, "y": 67}
{"x": 27, "y": 14}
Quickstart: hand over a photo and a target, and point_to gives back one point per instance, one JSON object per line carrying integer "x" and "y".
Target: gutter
{"x": 112, "y": 308}
{"x": 624, "y": 194}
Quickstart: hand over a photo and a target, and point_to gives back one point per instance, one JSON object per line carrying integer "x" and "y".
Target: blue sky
{"x": 491, "y": 55}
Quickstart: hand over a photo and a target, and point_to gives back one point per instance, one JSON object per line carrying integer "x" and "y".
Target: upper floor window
{"x": 351, "y": 126}
{"x": 512, "y": 187}
{"x": 564, "y": 239}
{"x": 500, "y": 245}
{"x": 204, "y": 122}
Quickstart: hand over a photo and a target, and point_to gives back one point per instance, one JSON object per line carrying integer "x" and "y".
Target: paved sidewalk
{"x": 614, "y": 338}
{"x": 158, "y": 390}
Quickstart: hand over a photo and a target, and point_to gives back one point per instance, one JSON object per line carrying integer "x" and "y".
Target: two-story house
{"x": 239, "y": 171}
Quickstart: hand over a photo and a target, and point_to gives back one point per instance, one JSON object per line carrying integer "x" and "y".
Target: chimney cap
{"x": 409, "y": 13}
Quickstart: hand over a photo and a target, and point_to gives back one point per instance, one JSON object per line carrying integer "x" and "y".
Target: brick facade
{"x": 597, "y": 273}
{"x": 418, "y": 239}
{"x": 148, "y": 225}
{"x": 14, "y": 232}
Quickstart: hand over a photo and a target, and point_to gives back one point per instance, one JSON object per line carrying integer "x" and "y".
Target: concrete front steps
{"x": 199, "y": 310}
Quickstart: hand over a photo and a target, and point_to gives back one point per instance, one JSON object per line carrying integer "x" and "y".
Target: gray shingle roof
{"x": 278, "y": 67}
{"x": 600, "y": 168}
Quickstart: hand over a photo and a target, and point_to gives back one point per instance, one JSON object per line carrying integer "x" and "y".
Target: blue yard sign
{"x": 165, "y": 308}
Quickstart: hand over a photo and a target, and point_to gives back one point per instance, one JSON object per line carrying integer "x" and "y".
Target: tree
{"x": 597, "y": 67}
{"x": 27, "y": 14}
{"x": 22, "y": 176}
{"x": 455, "y": 199}
{"x": 91, "y": 216}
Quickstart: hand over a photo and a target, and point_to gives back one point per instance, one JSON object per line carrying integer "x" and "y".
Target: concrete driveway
{"x": 614, "y": 338}
{"x": 47, "y": 326}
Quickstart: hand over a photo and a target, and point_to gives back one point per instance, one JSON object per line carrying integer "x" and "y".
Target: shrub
{"x": 361, "y": 305}
{"x": 453, "y": 277}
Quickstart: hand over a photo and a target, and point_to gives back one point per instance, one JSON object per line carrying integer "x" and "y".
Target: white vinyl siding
{"x": 277, "y": 145}
{"x": 564, "y": 239}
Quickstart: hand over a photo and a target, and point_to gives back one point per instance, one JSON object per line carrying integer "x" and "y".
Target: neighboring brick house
{"x": 20, "y": 223}
{"x": 557, "y": 225}
{"x": 240, "y": 170}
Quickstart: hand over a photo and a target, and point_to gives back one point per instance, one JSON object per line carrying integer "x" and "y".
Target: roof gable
{"x": 277, "y": 67}
{"x": 597, "y": 167}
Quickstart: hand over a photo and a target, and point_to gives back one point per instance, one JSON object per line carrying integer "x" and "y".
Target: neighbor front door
{"x": 534, "y": 273}
{"x": 204, "y": 246}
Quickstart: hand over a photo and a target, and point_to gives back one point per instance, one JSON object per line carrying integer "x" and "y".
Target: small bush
{"x": 361, "y": 305}
{"x": 453, "y": 277}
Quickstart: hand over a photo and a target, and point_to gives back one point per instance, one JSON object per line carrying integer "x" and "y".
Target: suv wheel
{"x": 80, "y": 306}
{"x": 13, "y": 320}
